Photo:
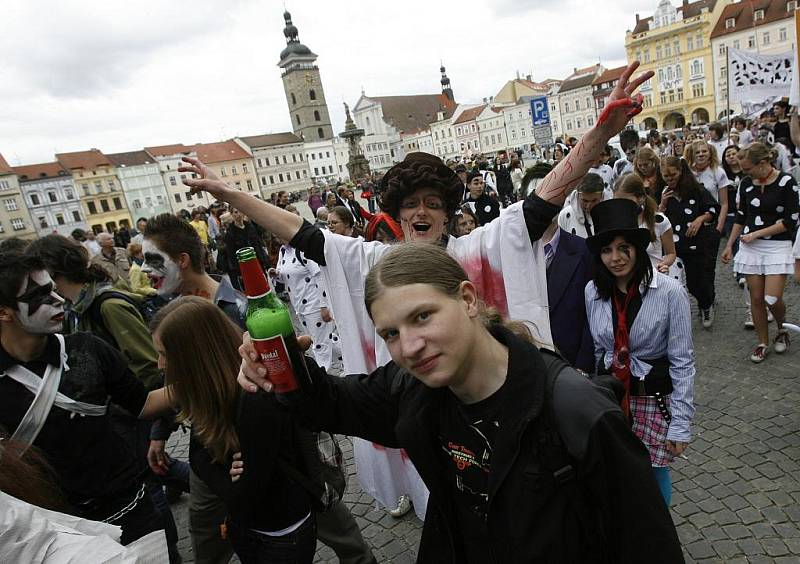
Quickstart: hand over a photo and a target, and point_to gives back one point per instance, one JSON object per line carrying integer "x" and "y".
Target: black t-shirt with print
{"x": 762, "y": 206}
{"x": 90, "y": 459}
{"x": 467, "y": 434}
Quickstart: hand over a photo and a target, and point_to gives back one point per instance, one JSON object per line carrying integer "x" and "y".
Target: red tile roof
{"x": 610, "y": 75}
{"x": 86, "y": 160}
{"x": 132, "y": 158}
{"x": 221, "y": 152}
{"x": 689, "y": 10}
{"x": 168, "y": 150}
{"x": 41, "y": 170}
{"x": 407, "y": 113}
{"x": 270, "y": 140}
{"x": 470, "y": 114}
{"x": 742, "y": 14}
{"x": 4, "y": 167}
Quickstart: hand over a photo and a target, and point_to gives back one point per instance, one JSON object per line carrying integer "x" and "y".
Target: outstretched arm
{"x": 621, "y": 107}
{"x": 280, "y": 222}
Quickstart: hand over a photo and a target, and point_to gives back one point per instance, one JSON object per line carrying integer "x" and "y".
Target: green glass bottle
{"x": 270, "y": 327}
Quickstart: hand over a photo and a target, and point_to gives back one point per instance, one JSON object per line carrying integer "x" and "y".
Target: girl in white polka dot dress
{"x": 303, "y": 280}
{"x": 766, "y": 219}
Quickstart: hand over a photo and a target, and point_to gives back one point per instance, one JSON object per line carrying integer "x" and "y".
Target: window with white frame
{"x": 690, "y": 43}
{"x": 11, "y": 204}
{"x": 751, "y": 42}
{"x": 782, "y": 34}
{"x": 721, "y": 49}
{"x": 736, "y": 44}
{"x": 730, "y": 23}
{"x": 17, "y": 224}
{"x": 137, "y": 204}
{"x": 758, "y": 15}
{"x": 791, "y": 5}
{"x": 35, "y": 200}
{"x": 765, "y": 39}
{"x": 697, "y": 68}
{"x": 5, "y": 185}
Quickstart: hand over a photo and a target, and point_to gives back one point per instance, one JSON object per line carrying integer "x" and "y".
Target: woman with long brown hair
{"x": 690, "y": 209}
{"x": 766, "y": 218}
{"x": 270, "y": 517}
{"x": 661, "y": 249}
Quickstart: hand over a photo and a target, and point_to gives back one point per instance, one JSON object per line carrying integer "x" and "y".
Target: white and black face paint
{"x": 40, "y": 309}
{"x": 164, "y": 273}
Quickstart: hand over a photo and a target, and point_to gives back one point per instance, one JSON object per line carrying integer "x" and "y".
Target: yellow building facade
{"x": 99, "y": 188}
{"x": 675, "y": 43}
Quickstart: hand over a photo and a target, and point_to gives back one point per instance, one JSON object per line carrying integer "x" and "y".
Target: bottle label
{"x": 275, "y": 358}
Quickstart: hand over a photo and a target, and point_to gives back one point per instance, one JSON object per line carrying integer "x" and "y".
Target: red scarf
{"x": 621, "y": 363}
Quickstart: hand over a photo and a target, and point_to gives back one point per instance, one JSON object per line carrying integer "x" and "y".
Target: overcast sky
{"x": 123, "y": 74}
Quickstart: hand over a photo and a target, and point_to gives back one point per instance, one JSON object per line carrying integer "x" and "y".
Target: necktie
{"x": 548, "y": 254}
{"x": 588, "y": 227}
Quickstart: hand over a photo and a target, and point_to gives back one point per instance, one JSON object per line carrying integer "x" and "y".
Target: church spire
{"x": 446, "y": 89}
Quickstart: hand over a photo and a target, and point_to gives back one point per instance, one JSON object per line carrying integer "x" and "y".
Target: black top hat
{"x": 618, "y": 216}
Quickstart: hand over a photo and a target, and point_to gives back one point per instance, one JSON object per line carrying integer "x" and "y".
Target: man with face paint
{"x": 96, "y": 469}
{"x": 94, "y": 306}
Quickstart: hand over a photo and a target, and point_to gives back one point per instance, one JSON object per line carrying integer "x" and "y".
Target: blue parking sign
{"x": 539, "y": 111}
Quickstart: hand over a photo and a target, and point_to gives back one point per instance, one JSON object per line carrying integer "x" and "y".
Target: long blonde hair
{"x": 688, "y": 153}
{"x": 201, "y": 347}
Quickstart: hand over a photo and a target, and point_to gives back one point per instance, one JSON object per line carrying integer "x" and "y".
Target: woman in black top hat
{"x": 641, "y": 326}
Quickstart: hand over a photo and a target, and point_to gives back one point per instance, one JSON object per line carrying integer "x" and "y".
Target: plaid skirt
{"x": 651, "y": 428}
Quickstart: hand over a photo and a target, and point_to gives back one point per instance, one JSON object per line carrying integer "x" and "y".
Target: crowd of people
{"x": 510, "y": 349}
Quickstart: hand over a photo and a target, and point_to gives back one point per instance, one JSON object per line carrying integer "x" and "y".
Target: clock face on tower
{"x": 309, "y": 78}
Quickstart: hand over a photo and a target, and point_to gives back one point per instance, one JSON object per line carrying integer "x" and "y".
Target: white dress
{"x": 655, "y": 249}
{"x": 303, "y": 280}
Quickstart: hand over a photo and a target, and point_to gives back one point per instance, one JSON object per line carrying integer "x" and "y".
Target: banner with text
{"x": 755, "y": 78}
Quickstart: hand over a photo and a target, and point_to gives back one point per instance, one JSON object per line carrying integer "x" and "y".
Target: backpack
{"x": 324, "y": 475}
{"x": 146, "y": 307}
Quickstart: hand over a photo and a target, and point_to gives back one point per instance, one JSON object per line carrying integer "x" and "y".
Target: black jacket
{"x": 611, "y": 512}
{"x": 237, "y": 238}
{"x": 485, "y": 207}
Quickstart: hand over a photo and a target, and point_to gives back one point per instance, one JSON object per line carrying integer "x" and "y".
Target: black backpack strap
{"x": 557, "y": 460}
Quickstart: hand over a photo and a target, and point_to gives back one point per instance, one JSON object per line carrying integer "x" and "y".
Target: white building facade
{"x": 321, "y": 159}
{"x": 767, "y": 30}
{"x": 142, "y": 184}
{"x": 280, "y": 162}
{"x": 519, "y": 126}
{"x": 443, "y": 136}
{"x": 576, "y": 102}
{"x": 52, "y": 201}
{"x": 492, "y": 129}
{"x": 168, "y": 158}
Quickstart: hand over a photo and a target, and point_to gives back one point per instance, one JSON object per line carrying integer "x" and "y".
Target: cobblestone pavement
{"x": 736, "y": 493}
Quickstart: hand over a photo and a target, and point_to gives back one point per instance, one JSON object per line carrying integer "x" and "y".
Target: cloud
{"x": 90, "y": 51}
{"x": 119, "y": 75}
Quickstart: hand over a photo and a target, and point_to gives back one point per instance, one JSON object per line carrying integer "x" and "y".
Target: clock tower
{"x": 303, "y": 87}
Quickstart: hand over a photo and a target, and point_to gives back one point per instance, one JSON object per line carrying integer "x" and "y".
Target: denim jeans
{"x": 297, "y": 547}
{"x": 664, "y": 481}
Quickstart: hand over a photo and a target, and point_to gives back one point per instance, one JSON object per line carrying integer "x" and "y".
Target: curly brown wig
{"x": 420, "y": 170}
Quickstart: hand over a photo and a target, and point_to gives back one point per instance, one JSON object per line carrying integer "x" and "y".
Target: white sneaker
{"x": 770, "y": 317}
{"x": 760, "y": 353}
{"x": 403, "y": 507}
{"x": 748, "y": 321}
{"x": 781, "y": 341}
